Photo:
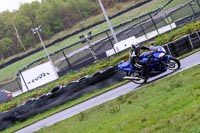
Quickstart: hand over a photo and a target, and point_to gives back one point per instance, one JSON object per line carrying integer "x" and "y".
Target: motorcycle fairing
{"x": 127, "y": 66}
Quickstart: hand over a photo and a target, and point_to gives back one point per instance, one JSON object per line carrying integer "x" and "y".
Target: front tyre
{"x": 173, "y": 64}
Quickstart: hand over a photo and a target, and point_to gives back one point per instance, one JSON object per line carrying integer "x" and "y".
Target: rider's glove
{"x": 153, "y": 49}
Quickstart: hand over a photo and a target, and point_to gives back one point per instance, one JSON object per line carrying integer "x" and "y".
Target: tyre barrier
{"x": 172, "y": 49}
{"x": 183, "y": 45}
{"x": 59, "y": 95}
{"x": 6, "y": 120}
{"x": 55, "y": 90}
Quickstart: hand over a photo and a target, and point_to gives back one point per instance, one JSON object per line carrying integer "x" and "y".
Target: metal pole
{"x": 108, "y": 22}
{"x": 19, "y": 84}
{"x": 92, "y": 51}
{"x": 153, "y": 22}
{"x": 191, "y": 44}
{"x": 111, "y": 42}
{"x": 192, "y": 10}
{"x": 44, "y": 46}
{"x": 23, "y": 79}
{"x": 70, "y": 66}
{"x": 168, "y": 49}
{"x": 198, "y": 3}
{"x": 143, "y": 31}
{"x": 168, "y": 21}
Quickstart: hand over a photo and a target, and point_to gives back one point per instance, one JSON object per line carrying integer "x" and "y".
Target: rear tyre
{"x": 138, "y": 79}
{"x": 173, "y": 64}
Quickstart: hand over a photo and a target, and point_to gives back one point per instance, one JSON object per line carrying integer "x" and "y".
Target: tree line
{"x": 54, "y": 15}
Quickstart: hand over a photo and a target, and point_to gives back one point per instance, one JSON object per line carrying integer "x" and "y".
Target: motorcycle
{"x": 160, "y": 63}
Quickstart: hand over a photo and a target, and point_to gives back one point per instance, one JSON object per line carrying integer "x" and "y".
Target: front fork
{"x": 165, "y": 61}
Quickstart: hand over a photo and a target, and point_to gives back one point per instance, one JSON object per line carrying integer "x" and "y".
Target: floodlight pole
{"x": 36, "y": 30}
{"x": 108, "y": 22}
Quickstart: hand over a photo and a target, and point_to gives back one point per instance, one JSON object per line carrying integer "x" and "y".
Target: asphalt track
{"x": 186, "y": 63}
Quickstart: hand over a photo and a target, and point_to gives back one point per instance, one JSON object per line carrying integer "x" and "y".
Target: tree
{"x": 5, "y": 47}
{"x": 23, "y": 24}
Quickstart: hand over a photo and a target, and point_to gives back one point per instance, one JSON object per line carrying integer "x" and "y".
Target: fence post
{"x": 111, "y": 42}
{"x": 198, "y": 3}
{"x": 19, "y": 84}
{"x": 175, "y": 51}
{"x": 198, "y": 35}
{"x": 168, "y": 49}
{"x": 192, "y": 10}
{"x": 168, "y": 21}
{"x": 154, "y": 23}
{"x": 188, "y": 36}
{"x": 67, "y": 60}
{"x": 23, "y": 79}
{"x": 143, "y": 31}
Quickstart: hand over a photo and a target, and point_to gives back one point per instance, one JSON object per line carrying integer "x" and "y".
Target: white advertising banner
{"x": 122, "y": 45}
{"x": 125, "y": 44}
{"x": 38, "y": 76}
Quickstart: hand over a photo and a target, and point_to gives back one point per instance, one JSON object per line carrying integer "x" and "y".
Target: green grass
{"x": 168, "y": 105}
{"x": 9, "y": 72}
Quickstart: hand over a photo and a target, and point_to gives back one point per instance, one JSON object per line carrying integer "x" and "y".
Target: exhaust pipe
{"x": 129, "y": 78}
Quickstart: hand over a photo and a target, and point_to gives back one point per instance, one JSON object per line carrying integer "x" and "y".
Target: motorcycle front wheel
{"x": 173, "y": 64}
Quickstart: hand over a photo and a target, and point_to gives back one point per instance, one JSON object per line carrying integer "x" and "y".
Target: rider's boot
{"x": 146, "y": 74}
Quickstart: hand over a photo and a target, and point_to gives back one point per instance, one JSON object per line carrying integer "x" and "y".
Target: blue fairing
{"x": 126, "y": 66}
{"x": 167, "y": 57}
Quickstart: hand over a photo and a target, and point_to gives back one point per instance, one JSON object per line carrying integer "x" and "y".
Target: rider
{"x": 135, "y": 58}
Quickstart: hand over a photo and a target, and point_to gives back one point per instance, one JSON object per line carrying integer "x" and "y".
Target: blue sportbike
{"x": 160, "y": 63}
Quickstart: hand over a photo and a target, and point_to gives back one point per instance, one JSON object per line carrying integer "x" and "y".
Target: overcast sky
{"x": 12, "y": 4}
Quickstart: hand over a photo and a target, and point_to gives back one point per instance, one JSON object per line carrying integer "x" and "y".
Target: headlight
{"x": 161, "y": 55}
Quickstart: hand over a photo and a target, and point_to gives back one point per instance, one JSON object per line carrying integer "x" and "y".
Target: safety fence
{"x": 57, "y": 55}
{"x": 59, "y": 52}
{"x": 75, "y": 33}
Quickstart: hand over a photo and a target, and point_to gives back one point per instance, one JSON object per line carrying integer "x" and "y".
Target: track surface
{"x": 187, "y": 62}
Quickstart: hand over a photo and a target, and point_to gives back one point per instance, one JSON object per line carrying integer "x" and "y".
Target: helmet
{"x": 135, "y": 48}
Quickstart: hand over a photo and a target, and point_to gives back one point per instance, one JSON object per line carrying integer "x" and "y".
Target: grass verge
{"x": 168, "y": 105}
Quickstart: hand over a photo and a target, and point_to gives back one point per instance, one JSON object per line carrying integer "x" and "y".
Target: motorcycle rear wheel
{"x": 139, "y": 80}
